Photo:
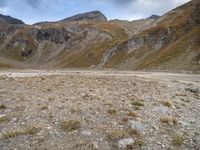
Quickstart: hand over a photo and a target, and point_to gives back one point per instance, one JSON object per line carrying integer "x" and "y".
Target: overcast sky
{"x": 32, "y": 11}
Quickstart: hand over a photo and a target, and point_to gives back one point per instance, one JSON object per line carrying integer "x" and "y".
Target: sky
{"x": 32, "y": 11}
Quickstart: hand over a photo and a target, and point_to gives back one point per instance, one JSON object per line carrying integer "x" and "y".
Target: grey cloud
{"x": 34, "y": 3}
{"x": 123, "y": 2}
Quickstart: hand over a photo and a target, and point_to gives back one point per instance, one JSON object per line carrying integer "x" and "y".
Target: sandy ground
{"x": 99, "y": 110}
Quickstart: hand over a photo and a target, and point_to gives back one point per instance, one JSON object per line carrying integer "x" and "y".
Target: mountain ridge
{"x": 11, "y": 20}
{"x": 169, "y": 42}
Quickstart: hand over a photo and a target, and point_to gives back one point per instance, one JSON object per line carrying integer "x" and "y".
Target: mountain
{"x": 169, "y": 42}
{"x": 10, "y": 20}
{"x": 153, "y": 17}
{"x": 89, "y": 16}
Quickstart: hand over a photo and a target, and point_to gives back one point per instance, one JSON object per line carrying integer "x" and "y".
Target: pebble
{"x": 123, "y": 143}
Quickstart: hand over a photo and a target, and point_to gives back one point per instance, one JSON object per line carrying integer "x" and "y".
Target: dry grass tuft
{"x": 4, "y": 119}
{"x": 132, "y": 114}
{"x": 133, "y": 132}
{"x": 32, "y": 130}
{"x": 116, "y": 134}
{"x": 51, "y": 99}
{"x": 75, "y": 109}
{"x": 2, "y": 106}
{"x": 178, "y": 139}
{"x": 167, "y": 103}
{"x": 168, "y": 120}
{"x": 70, "y": 125}
{"x": 44, "y": 108}
{"x": 137, "y": 103}
{"x": 112, "y": 111}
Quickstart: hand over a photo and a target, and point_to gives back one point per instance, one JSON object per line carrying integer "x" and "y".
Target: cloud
{"x": 34, "y": 3}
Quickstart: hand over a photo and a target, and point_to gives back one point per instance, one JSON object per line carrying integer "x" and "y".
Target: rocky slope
{"x": 88, "y": 40}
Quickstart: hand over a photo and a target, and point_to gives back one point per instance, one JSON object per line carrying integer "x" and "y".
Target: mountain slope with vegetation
{"x": 168, "y": 42}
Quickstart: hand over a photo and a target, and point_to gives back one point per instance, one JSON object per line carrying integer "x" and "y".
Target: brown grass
{"x": 70, "y": 125}
{"x": 112, "y": 111}
{"x": 2, "y": 106}
{"x": 28, "y": 131}
{"x": 178, "y": 139}
{"x": 167, "y": 103}
{"x": 168, "y": 120}
{"x": 132, "y": 114}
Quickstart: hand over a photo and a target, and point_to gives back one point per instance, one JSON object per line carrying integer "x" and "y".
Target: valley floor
{"x": 103, "y": 110}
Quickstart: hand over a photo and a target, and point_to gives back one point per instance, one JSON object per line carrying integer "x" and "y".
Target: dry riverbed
{"x": 98, "y": 110}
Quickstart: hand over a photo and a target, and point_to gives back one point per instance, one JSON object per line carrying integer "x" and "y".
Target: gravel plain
{"x": 99, "y": 110}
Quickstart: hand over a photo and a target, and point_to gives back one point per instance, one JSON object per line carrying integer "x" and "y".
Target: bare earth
{"x": 99, "y": 110}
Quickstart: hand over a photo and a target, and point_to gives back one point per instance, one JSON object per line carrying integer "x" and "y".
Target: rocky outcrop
{"x": 53, "y": 35}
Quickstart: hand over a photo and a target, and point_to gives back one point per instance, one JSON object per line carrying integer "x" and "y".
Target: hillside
{"x": 168, "y": 42}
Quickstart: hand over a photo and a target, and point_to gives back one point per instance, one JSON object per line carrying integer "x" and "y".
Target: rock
{"x": 87, "y": 133}
{"x": 123, "y": 143}
{"x": 137, "y": 125}
{"x": 84, "y": 95}
{"x": 162, "y": 109}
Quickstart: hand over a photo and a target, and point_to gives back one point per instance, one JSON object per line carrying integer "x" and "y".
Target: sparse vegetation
{"x": 132, "y": 114}
{"x": 75, "y": 109}
{"x": 167, "y": 103}
{"x": 133, "y": 132}
{"x": 70, "y": 125}
{"x": 51, "y": 99}
{"x": 178, "y": 139}
{"x": 4, "y": 119}
{"x": 168, "y": 120}
{"x": 2, "y": 106}
{"x": 137, "y": 103}
{"x": 28, "y": 131}
{"x": 44, "y": 107}
{"x": 116, "y": 134}
{"x": 112, "y": 111}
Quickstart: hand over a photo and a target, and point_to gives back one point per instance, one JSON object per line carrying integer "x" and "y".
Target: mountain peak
{"x": 153, "y": 17}
{"x": 10, "y": 20}
{"x": 93, "y": 16}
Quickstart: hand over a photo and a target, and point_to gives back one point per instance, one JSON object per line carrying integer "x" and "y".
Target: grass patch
{"x": 116, "y": 135}
{"x": 2, "y": 106}
{"x": 137, "y": 104}
{"x": 168, "y": 120}
{"x": 178, "y": 139}
{"x": 51, "y": 99}
{"x": 132, "y": 114}
{"x": 70, "y": 125}
{"x": 133, "y": 132}
{"x": 28, "y": 131}
{"x": 44, "y": 108}
{"x": 4, "y": 119}
{"x": 167, "y": 103}
{"x": 112, "y": 111}
{"x": 75, "y": 109}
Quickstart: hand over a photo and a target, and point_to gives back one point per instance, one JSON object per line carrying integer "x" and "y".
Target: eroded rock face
{"x": 53, "y": 35}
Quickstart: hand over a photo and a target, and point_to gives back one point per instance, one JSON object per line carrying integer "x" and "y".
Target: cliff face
{"x": 170, "y": 41}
